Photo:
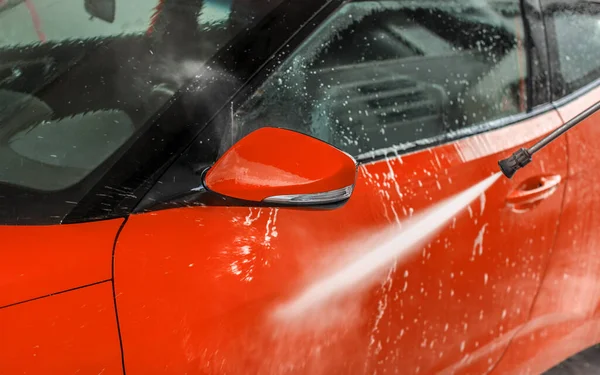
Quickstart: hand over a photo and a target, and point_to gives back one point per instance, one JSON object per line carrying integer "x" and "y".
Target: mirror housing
{"x": 283, "y": 167}
{"x": 102, "y": 9}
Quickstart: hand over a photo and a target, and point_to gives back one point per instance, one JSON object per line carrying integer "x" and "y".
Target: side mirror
{"x": 102, "y": 9}
{"x": 283, "y": 167}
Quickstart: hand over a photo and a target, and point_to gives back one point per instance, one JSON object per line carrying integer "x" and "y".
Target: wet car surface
{"x": 170, "y": 179}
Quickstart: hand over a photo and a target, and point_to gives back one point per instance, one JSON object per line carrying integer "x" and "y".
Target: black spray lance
{"x": 523, "y": 156}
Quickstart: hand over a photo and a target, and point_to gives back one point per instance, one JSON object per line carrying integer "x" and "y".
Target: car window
{"x": 31, "y": 21}
{"x": 577, "y": 57}
{"x": 397, "y": 73}
{"x": 75, "y": 89}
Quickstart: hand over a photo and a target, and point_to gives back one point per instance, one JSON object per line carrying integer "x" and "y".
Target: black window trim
{"x": 579, "y": 93}
{"x": 538, "y": 63}
{"x": 401, "y": 150}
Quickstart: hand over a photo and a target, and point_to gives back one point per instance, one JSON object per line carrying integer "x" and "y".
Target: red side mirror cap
{"x": 281, "y": 166}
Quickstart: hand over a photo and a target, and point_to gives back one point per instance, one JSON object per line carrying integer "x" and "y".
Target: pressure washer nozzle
{"x": 515, "y": 162}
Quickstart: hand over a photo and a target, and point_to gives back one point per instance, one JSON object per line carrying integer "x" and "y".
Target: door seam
{"x": 551, "y": 252}
{"x": 55, "y": 293}
{"x": 114, "y": 292}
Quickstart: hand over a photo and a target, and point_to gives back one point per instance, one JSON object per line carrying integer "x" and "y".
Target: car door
{"x": 57, "y": 310}
{"x": 427, "y": 97}
{"x": 565, "y": 319}
{"x": 63, "y": 116}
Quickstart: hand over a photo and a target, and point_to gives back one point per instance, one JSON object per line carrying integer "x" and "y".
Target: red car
{"x": 171, "y": 175}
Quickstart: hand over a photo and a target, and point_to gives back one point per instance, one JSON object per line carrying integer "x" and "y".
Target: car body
{"x": 116, "y": 258}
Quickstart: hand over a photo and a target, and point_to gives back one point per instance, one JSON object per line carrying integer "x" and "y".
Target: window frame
{"x": 539, "y": 69}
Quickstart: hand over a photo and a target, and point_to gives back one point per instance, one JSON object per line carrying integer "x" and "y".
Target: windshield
{"x": 75, "y": 88}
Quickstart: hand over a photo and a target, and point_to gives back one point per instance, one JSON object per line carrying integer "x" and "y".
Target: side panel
{"x": 566, "y": 316}
{"x": 37, "y": 261}
{"x": 68, "y": 333}
{"x": 200, "y": 290}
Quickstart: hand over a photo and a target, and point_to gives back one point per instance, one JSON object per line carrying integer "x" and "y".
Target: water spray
{"x": 522, "y": 157}
{"x": 392, "y": 246}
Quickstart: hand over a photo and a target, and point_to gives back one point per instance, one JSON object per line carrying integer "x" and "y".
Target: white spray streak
{"x": 267, "y": 240}
{"x": 482, "y": 202}
{"x": 478, "y": 244}
{"x": 274, "y": 226}
{"x": 357, "y": 273}
{"x": 249, "y": 220}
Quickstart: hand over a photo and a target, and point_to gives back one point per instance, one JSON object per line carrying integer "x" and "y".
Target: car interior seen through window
{"x": 578, "y": 63}
{"x": 391, "y": 73}
{"x": 74, "y": 88}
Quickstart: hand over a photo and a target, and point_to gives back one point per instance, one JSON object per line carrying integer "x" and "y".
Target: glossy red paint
{"x": 37, "y": 261}
{"x": 271, "y": 162}
{"x": 68, "y": 333}
{"x": 566, "y": 317}
{"x": 197, "y": 287}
